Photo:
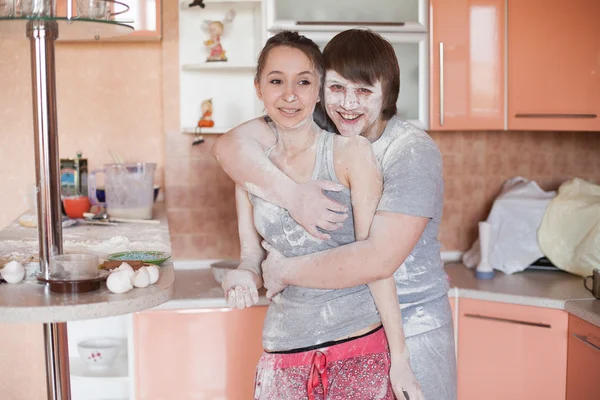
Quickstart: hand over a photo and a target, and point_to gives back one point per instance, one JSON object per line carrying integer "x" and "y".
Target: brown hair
{"x": 361, "y": 55}
{"x": 294, "y": 40}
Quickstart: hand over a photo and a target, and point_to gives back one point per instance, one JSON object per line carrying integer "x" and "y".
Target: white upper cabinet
{"x": 382, "y": 15}
{"x": 413, "y": 59}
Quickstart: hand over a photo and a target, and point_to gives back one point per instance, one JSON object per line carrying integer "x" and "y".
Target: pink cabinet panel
{"x": 197, "y": 354}
{"x": 467, "y": 64}
{"x": 554, "y": 65}
{"x": 507, "y": 351}
{"x": 583, "y": 362}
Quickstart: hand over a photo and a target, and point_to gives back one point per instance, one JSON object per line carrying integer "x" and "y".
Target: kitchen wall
{"x": 126, "y": 97}
{"x": 108, "y": 98}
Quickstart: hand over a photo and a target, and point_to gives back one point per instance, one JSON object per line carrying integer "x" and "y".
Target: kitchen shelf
{"x": 184, "y": 4}
{"x": 218, "y": 66}
{"x": 68, "y": 29}
{"x": 206, "y": 131}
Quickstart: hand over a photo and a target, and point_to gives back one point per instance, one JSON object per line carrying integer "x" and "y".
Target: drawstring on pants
{"x": 318, "y": 368}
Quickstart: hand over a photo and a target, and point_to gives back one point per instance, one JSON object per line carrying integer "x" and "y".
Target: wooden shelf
{"x": 218, "y": 66}
{"x": 206, "y": 131}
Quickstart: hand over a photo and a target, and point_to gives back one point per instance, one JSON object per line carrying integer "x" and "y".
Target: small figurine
{"x": 206, "y": 120}
{"x": 216, "y": 29}
{"x": 199, "y": 3}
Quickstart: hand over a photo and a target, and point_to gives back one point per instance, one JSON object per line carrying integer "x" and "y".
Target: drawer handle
{"x": 585, "y": 341}
{"x": 441, "y": 83}
{"x": 573, "y": 116}
{"x": 351, "y": 23}
{"x": 508, "y": 321}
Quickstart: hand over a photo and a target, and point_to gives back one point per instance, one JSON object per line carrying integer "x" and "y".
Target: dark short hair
{"x": 296, "y": 41}
{"x": 361, "y": 55}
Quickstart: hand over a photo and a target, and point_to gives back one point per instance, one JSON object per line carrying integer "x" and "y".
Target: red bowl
{"x": 75, "y": 206}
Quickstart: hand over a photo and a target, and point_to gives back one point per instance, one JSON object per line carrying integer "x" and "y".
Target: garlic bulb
{"x": 141, "y": 279}
{"x": 13, "y": 272}
{"x": 126, "y": 267}
{"x": 153, "y": 272}
{"x": 119, "y": 282}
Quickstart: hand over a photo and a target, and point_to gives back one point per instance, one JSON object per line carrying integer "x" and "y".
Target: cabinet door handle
{"x": 508, "y": 321}
{"x": 441, "y": 83}
{"x": 585, "y": 341}
{"x": 574, "y": 116}
{"x": 352, "y": 23}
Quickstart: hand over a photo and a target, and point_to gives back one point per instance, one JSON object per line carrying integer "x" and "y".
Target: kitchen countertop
{"x": 197, "y": 288}
{"x": 30, "y": 301}
{"x": 550, "y": 289}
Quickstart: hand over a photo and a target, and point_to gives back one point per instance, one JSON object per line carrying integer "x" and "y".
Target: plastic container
{"x": 74, "y": 267}
{"x": 129, "y": 189}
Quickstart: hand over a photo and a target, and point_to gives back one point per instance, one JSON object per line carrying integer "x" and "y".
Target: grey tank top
{"x": 303, "y": 317}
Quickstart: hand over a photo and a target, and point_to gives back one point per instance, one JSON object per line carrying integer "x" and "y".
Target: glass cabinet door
{"x": 388, "y": 15}
{"x": 413, "y": 59}
{"x": 143, "y": 15}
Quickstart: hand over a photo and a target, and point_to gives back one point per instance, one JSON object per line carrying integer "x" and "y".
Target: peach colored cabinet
{"x": 554, "y": 65}
{"x": 467, "y": 64}
{"x": 508, "y": 351}
{"x": 197, "y": 353}
{"x": 583, "y": 362}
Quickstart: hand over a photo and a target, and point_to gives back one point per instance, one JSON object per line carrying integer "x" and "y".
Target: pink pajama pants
{"x": 357, "y": 369}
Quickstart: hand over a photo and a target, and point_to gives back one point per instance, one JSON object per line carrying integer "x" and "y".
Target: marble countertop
{"x": 30, "y": 301}
{"x": 197, "y": 288}
{"x": 550, "y": 289}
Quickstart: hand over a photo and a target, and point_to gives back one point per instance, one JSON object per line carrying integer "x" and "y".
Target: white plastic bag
{"x": 570, "y": 231}
{"x": 515, "y": 218}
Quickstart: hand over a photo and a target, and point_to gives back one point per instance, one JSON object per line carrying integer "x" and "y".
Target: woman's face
{"x": 355, "y": 108}
{"x": 288, "y": 87}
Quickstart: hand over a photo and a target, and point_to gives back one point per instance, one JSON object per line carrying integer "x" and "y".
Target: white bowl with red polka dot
{"x": 101, "y": 352}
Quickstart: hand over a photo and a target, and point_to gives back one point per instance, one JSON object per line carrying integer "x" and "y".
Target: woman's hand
{"x": 311, "y": 208}
{"x": 240, "y": 288}
{"x": 273, "y": 269}
{"x": 403, "y": 380}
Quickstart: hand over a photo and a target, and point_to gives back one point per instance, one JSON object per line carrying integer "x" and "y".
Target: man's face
{"x": 354, "y": 107}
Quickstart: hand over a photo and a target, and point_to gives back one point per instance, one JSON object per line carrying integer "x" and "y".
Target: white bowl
{"x": 100, "y": 353}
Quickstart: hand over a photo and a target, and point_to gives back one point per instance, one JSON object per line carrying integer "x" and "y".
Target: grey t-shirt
{"x": 304, "y": 317}
{"x": 413, "y": 185}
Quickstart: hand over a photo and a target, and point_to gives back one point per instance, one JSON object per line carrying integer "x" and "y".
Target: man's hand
{"x": 311, "y": 208}
{"x": 403, "y": 380}
{"x": 240, "y": 288}
{"x": 273, "y": 269}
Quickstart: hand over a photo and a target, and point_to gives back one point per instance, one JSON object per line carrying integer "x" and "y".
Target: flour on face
{"x": 354, "y": 107}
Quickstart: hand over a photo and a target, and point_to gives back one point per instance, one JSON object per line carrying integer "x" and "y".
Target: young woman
{"x": 361, "y": 89}
{"x": 319, "y": 344}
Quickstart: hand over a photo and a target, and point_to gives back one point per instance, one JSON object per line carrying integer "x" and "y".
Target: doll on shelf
{"x": 206, "y": 120}
{"x": 217, "y": 53}
{"x": 216, "y": 29}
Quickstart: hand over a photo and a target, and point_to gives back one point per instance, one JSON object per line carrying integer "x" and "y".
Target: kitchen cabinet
{"x": 197, "y": 353}
{"x": 467, "y": 58}
{"x": 412, "y": 54}
{"x": 553, "y": 65}
{"x": 382, "y": 15}
{"x": 583, "y": 360}
{"x": 508, "y": 351}
{"x": 144, "y": 15}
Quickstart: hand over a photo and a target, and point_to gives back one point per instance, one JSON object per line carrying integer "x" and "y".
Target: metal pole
{"x": 42, "y": 35}
{"x": 58, "y": 384}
